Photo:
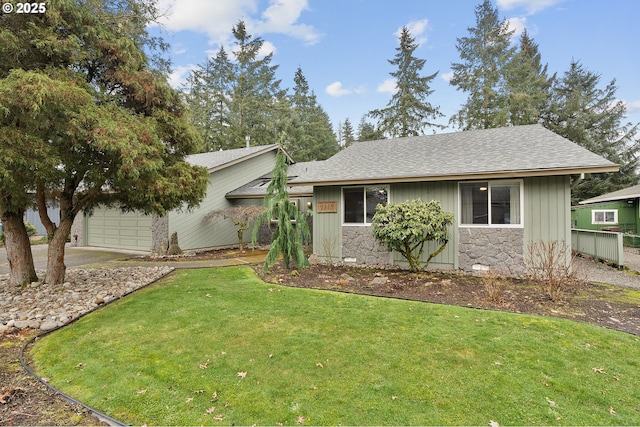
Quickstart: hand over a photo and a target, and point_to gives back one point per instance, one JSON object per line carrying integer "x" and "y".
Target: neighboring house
{"x": 507, "y": 187}
{"x": 615, "y": 211}
{"x": 229, "y": 173}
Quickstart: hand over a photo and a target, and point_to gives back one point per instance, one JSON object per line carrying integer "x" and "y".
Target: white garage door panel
{"x": 110, "y": 228}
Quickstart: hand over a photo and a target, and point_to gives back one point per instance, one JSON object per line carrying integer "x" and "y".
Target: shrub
{"x": 406, "y": 227}
{"x": 494, "y": 284}
{"x": 31, "y": 230}
{"x": 548, "y": 264}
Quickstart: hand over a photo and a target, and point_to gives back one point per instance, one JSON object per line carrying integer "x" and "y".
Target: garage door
{"x": 111, "y": 228}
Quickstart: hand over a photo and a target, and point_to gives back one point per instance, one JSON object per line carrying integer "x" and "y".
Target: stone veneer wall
{"x": 501, "y": 249}
{"x": 159, "y": 234}
{"x": 78, "y": 228}
{"x": 359, "y": 243}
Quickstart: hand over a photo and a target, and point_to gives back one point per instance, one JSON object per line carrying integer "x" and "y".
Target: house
{"x": 615, "y": 211}
{"x": 236, "y": 177}
{"x": 507, "y": 187}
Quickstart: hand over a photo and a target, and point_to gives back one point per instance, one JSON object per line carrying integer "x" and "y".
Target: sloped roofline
{"x": 250, "y": 155}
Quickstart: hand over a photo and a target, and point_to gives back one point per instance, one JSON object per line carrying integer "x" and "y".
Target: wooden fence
{"x": 602, "y": 245}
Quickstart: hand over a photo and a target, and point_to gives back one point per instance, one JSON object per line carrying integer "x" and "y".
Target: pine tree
{"x": 485, "y": 54}
{"x": 256, "y": 97}
{"x": 593, "y": 117}
{"x": 408, "y": 112}
{"x": 367, "y": 131}
{"x": 311, "y": 134}
{"x": 528, "y": 84}
{"x": 291, "y": 230}
{"x": 347, "y": 133}
{"x": 208, "y": 88}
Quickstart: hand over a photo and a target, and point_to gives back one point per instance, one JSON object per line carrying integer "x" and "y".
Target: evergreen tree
{"x": 485, "y": 54}
{"x": 311, "y": 134}
{"x": 528, "y": 84}
{"x": 256, "y": 98}
{"x": 408, "y": 112}
{"x": 78, "y": 88}
{"x": 593, "y": 117}
{"x": 291, "y": 231}
{"x": 367, "y": 131}
{"x": 208, "y": 89}
{"x": 347, "y": 133}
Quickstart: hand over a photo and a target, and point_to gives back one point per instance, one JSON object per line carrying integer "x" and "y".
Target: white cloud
{"x": 336, "y": 89}
{"x": 531, "y": 6}
{"x": 216, "y": 18}
{"x": 388, "y": 86}
{"x": 447, "y": 76}
{"x": 178, "y": 77}
{"x": 517, "y": 24}
{"x": 416, "y": 29}
{"x": 281, "y": 17}
{"x": 632, "y": 106}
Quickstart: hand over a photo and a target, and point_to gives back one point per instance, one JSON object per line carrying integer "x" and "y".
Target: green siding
{"x": 327, "y": 229}
{"x": 447, "y": 194}
{"x": 581, "y": 217}
{"x": 547, "y": 210}
{"x": 193, "y": 230}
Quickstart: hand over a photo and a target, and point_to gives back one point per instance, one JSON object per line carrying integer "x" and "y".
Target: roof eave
{"x": 247, "y": 157}
{"x": 466, "y": 176}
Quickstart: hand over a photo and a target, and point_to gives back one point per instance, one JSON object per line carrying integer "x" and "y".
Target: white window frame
{"x": 489, "y": 182}
{"x": 364, "y": 196}
{"x": 604, "y": 213}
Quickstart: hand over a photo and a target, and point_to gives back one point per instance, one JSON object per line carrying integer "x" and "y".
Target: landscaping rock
{"x": 46, "y": 306}
{"x": 379, "y": 281}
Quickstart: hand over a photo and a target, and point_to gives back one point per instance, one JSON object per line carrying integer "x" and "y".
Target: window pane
{"x": 598, "y": 217}
{"x": 505, "y": 203}
{"x": 375, "y": 196}
{"x": 475, "y": 203}
{"x": 354, "y": 205}
{"x": 609, "y": 217}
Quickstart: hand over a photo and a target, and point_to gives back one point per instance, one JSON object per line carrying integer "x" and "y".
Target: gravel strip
{"x": 599, "y": 272}
{"x": 43, "y": 306}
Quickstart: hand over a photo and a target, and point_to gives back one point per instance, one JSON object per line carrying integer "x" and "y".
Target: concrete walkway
{"x": 89, "y": 256}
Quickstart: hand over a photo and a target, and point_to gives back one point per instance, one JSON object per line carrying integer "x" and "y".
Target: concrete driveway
{"x": 73, "y": 256}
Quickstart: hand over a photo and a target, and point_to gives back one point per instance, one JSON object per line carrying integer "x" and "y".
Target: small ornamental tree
{"x": 291, "y": 230}
{"x": 406, "y": 227}
{"x": 240, "y": 215}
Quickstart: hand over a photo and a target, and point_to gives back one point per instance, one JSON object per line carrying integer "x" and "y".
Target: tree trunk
{"x": 18, "y": 250}
{"x": 55, "y": 256}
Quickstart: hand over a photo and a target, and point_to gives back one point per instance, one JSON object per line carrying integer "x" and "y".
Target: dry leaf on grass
{"x": 319, "y": 365}
{"x": 300, "y": 420}
{"x": 211, "y": 410}
{"x": 242, "y": 374}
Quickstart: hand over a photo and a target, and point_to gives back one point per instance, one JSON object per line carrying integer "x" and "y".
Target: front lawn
{"x": 219, "y": 346}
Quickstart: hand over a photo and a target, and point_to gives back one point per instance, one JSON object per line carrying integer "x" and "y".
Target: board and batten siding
{"x": 194, "y": 232}
{"x": 327, "y": 229}
{"x": 547, "y": 210}
{"x": 447, "y": 193}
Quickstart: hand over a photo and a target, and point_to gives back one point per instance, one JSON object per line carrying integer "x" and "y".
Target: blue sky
{"x": 343, "y": 46}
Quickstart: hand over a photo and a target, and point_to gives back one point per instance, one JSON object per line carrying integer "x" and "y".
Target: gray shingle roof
{"x": 626, "y": 193}
{"x": 511, "y": 151}
{"x": 258, "y": 187}
{"x": 219, "y": 159}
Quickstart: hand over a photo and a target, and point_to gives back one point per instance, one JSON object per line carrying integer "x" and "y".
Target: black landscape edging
{"x": 101, "y": 416}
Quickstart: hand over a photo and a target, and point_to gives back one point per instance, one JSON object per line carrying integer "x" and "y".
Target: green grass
{"x": 170, "y": 353}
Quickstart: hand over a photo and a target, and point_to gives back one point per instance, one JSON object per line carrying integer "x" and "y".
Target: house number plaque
{"x": 327, "y": 207}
